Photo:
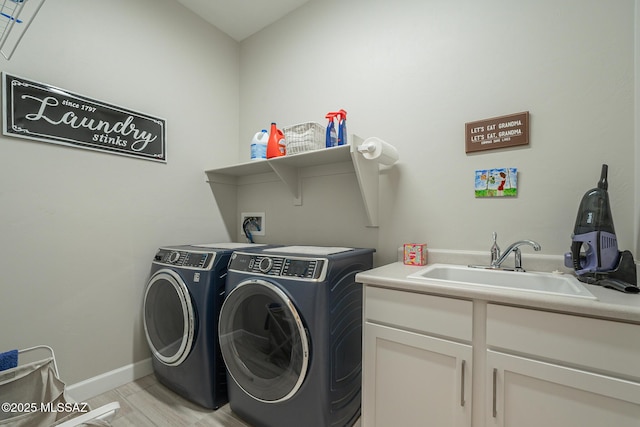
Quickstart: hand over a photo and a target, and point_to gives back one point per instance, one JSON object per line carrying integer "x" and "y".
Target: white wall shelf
{"x": 224, "y": 180}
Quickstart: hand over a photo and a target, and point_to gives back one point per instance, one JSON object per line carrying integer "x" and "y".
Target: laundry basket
{"x": 32, "y": 394}
{"x": 304, "y": 137}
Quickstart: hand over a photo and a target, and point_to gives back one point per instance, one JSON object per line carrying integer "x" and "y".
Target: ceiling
{"x": 242, "y": 18}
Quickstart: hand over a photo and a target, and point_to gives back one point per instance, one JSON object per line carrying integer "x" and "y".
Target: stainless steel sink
{"x": 538, "y": 282}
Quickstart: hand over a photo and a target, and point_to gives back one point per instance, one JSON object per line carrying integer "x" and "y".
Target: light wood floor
{"x": 146, "y": 402}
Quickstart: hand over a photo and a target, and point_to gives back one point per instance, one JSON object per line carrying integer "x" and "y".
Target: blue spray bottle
{"x": 332, "y": 137}
{"x": 342, "y": 127}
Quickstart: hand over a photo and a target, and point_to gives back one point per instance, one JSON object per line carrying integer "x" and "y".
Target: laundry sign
{"x": 45, "y": 113}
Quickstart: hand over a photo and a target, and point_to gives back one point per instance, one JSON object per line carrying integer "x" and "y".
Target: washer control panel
{"x": 280, "y": 266}
{"x": 186, "y": 259}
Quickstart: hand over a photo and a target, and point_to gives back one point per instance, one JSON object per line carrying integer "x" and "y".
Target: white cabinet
{"x": 552, "y": 369}
{"x": 417, "y": 360}
{"x": 415, "y": 380}
{"x": 525, "y": 392}
{"x": 428, "y": 359}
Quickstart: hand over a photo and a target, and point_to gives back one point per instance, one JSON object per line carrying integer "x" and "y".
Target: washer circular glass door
{"x": 169, "y": 320}
{"x": 263, "y": 341}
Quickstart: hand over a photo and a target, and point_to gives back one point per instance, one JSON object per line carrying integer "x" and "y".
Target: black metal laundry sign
{"x": 45, "y": 113}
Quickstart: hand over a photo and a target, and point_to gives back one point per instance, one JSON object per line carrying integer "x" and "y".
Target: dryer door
{"x": 169, "y": 318}
{"x": 263, "y": 341}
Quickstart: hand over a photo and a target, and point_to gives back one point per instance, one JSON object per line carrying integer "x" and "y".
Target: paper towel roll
{"x": 376, "y": 149}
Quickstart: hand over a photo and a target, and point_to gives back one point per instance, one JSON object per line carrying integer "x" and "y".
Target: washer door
{"x": 263, "y": 341}
{"x": 169, "y": 318}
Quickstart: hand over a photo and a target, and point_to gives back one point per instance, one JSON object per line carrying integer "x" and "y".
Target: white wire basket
{"x": 33, "y": 394}
{"x": 304, "y": 137}
{"x": 15, "y": 18}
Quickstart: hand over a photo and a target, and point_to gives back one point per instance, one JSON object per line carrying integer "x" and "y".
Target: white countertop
{"x": 610, "y": 304}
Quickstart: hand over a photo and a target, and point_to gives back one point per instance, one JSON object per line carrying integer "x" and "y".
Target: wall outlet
{"x": 258, "y": 223}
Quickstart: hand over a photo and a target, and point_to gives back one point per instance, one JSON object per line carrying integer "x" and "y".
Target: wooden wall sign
{"x": 45, "y": 113}
{"x": 498, "y": 132}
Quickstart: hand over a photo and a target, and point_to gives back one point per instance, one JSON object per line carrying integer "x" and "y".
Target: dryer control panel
{"x": 186, "y": 259}
{"x": 280, "y": 266}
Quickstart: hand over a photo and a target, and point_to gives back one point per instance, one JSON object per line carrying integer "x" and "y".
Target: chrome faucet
{"x": 515, "y": 248}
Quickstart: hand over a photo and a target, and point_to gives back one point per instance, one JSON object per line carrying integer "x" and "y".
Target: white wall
{"x": 79, "y": 228}
{"x": 413, "y": 73}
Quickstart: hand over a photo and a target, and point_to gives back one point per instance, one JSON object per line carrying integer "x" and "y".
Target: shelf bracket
{"x": 289, "y": 175}
{"x": 225, "y": 187}
{"x": 367, "y": 173}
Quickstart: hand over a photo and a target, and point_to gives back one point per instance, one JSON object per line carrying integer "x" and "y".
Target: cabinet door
{"x": 526, "y": 393}
{"x": 411, "y": 379}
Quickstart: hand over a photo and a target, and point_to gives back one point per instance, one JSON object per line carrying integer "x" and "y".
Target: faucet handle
{"x": 517, "y": 255}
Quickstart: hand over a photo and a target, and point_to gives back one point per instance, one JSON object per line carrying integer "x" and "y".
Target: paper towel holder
{"x": 379, "y": 151}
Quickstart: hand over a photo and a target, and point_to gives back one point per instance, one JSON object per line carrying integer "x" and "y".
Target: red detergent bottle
{"x": 276, "y": 145}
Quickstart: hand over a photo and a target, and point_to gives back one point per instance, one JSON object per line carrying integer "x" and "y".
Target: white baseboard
{"x": 92, "y": 387}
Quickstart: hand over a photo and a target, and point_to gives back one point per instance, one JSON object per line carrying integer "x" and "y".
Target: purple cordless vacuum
{"x": 594, "y": 251}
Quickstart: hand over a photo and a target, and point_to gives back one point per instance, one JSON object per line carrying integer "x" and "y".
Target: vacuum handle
{"x": 575, "y": 255}
{"x": 603, "y": 178}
